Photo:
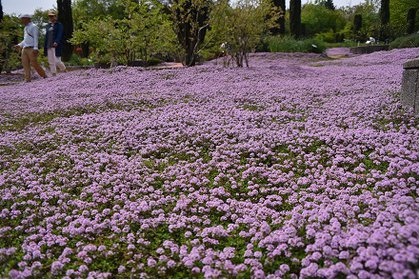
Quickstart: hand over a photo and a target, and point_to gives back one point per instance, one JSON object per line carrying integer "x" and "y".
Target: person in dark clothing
{"x": 53, "y": 43}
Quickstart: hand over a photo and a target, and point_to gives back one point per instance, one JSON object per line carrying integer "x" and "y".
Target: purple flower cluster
{"x": 295, "y": 167}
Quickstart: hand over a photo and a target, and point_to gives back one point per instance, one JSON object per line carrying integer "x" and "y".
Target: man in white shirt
{"x": 29, "y": 47}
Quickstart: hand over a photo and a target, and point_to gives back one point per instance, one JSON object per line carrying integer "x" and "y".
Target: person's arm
{"x": 46, "y": 41}
{"x": 58, "y": 34}
{"x": 35, "y": 34}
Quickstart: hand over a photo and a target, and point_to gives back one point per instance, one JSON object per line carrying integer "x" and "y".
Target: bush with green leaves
{"x": 370, "y": 26}
{"x": 319, "y": 19}
{"x": 409, "y": 41}
{"x": 146, "y": 31}
{"x": 290, "y": 44}
{"x": 9, "y": 36}
{"x": 398, "y": 15}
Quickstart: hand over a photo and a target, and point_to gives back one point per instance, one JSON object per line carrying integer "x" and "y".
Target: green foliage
{"x": 241, "y": 27}
{"x": 398, "y": 15}
{"x": 9, "y": 35}
{"x": 76, "y": 60}
{"x": 290, "y": 44}
{"x": 145, "y": 32}
{"x": 330, "y": 37}
{"x": 86, "y": 10}
{"x": 319, "y": 19}
{"x": 370, "y": 27}
{"x": 40, "y": 18}
{"x": 405, "y": 42}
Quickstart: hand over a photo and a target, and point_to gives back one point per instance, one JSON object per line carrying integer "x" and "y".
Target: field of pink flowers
{"x": 295, "y": 167}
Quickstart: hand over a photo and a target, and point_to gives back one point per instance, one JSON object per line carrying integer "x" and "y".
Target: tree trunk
{"x": 295, "y": 18}
{"x": 65, "y": 16}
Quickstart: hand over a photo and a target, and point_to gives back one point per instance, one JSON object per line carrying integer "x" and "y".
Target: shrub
{"x": 76, "y": 60}
{"x": 289, "y": 44}
{"x": 318, "y": 19}
{"x": 146, "y": 32}
{"x": 9, "y": 33}
{"x": 330, "y": 37}
{"x": 405, "y": 42}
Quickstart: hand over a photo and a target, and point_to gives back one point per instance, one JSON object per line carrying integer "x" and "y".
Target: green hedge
{"x": 290, "y": 44}
{"x": 405, "y": 42}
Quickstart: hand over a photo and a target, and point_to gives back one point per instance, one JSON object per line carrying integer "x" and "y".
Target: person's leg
{"x": 26, "y": 64}
{"x": 52, "y": 61}
{"x": 35, "y": 65}
{"x": 60, "y": 64}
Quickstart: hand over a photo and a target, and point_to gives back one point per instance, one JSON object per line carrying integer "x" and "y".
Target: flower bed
{"x": 293, "y": 167}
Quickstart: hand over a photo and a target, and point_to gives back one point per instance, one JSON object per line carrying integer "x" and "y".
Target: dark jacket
{"x": 58, "y": 37}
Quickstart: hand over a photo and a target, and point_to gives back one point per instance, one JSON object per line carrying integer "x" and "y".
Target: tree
{"x": 357, "y": 27}
{"x": 369, "y": 12}
{"x": 9, "y": 35}
{"x": 399, "y": 10}
{"x": 357, "y": 23}
{"x": 295, "y": 18}
{"x": 240, "y": 28}
{"x": 329, "y": 4}
{"x": 190, "y": 23}
{"x": 1, "y": 12}
{"x": 280, "y": 28}
{"x": 384, "y": 19}
{"x": 411, "y": 20}
{"x": 385, "y": 12}
{"x": 65, "y": 16}
{"x": 145, "y": 31}
{"x": 326, "y": 3}
{"x": 319, "y": 19}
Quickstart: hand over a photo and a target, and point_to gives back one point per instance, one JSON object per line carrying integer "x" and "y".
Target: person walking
{"x": 53, "y": 43}
{"x": 29, "y": 48}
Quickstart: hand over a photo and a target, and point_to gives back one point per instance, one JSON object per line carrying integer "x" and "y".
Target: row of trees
{"x": 126, "y": 30}
{"x": 123, "y": 31}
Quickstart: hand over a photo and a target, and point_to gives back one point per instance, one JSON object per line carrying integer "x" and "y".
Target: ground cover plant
{"x": 294, "y": 167}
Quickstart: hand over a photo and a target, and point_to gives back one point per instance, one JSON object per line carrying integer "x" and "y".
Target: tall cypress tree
{"x": 281, "y": 20}
{"x": 295, "y": 17}
{"x": 65, "y": 16}
{"x": 385, "y": 19}
{"x": 357, "y": 22}
{"x": 1, "y": 12}
{"x": 329, "y": 4}
{"x": 411, "y": 19}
